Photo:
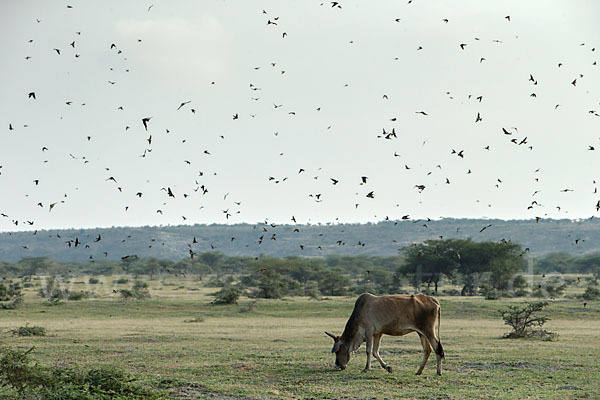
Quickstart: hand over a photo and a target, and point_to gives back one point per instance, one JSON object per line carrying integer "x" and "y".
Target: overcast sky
{"x": 315, "y": 90}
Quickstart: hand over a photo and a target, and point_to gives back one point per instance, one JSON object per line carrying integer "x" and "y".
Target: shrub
{"x": 520, "y": 293}
{"x": 524, "y": 319}
{"x": 489, "y": 292}
{"x": 53, "y": 302}
{"x": 78, "y": 295}
{"x": 138, "y": 291}
{"x": 273, "y": 285}
{"x": 121, "y": 281}
{"x": 227, "y": 295}
{"x": 10, "y": 295}
{"x": 15, "y": 370}
{"x": 34, "y": 381}
{"x": 93, "y": 281}
{"x": 591, "y": 293}
{"x": 29, "y": 331}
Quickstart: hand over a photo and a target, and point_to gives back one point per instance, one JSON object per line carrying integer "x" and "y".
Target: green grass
{"x": 279, "y": 350}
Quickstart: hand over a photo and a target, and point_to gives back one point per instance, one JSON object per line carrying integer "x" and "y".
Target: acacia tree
{"x": 428, "y": 261}
{"x": 465, "y": 260}
{"x": 492, "y": 262}
{"x": 33, "y": 265}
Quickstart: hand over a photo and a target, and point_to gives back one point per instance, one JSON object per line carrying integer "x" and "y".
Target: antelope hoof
{"x": 388, "y": 369}
{"x": 366, "y": 370}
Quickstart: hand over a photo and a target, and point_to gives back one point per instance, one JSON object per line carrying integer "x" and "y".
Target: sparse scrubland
{"x": 276, "y": 348}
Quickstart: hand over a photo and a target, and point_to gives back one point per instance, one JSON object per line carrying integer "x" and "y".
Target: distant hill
{"x": 382, "y": 239}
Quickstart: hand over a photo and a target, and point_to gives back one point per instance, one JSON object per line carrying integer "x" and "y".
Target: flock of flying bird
{"x": 187, "y": 105}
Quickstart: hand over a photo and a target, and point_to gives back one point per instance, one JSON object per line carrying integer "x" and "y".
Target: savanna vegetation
{"x": 449, "y": 266}
{"x": 233, "y": 327}
{"x": 178, "y": 343}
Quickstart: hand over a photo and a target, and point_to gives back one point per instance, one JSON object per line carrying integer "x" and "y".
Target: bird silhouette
{"x": 183, "y": 104}
{"x": 145, "y": 122}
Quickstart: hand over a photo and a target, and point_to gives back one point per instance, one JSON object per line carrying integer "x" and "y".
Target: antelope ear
{"x": 336, "y": 346}
{"x": 331, "y": 335}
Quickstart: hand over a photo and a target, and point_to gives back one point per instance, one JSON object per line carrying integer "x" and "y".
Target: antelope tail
{"x": 440, "y": 349}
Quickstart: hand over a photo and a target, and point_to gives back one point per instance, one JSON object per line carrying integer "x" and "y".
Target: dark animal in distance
{"x": 395, "y": 315}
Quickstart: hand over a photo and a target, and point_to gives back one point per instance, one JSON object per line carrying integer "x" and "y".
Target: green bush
{"x": 227, "y": 295}
{"x": 29, "y": 331}
{"x": 489, "y": 292}
{"x": 78, "y": 295}
{"x": 93, "y": 281}
{"x": 524, "y": 319}
{"x": 15, "y": 370}
{"x": 138, "y": 291}
{"x": 29, "y": 380}
{"x": 274, "y": 285}
{"x": 591, "y": 293}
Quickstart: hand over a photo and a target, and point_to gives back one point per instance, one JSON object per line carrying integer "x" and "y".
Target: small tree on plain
{"x": 525, "y": 319}
{"x": 227, "y": 295}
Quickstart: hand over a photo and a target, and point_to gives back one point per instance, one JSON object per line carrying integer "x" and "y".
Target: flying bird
{"x": 145, "y": 122}
{"x": 485, "y": 227}
{"x": 183, "y": 104}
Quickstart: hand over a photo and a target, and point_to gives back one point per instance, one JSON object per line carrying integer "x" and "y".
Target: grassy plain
{"x": 278, "y": 348}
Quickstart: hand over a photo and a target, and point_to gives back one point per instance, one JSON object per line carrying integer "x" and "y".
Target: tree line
{"x": 488, "y": 268}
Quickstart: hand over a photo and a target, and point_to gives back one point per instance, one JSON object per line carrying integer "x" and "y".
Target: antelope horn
{"x": 330, "y": 335}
